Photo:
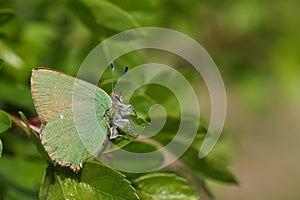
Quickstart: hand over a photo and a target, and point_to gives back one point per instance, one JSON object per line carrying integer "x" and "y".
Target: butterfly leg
{"x": 114, "y": 133}
{"x": 102, "y": 148}
{"x": 121, "y": 123}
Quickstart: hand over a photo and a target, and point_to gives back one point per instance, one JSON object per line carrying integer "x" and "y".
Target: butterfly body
{"x": 77, "y": 117}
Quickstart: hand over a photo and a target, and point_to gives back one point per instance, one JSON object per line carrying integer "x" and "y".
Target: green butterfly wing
{"x": 74, "y": 113}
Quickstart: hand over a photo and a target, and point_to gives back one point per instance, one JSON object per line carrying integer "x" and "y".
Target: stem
{"x": 22, "y": 126}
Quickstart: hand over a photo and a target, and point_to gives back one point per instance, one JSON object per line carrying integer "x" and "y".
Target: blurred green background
{"x": 255, "y": 44}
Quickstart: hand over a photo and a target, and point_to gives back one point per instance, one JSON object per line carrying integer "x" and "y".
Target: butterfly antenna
{"x": 126, "y": 69}
{"x": 113, "y": 76}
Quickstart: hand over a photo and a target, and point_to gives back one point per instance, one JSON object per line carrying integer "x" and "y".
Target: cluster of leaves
{"x": 98, "y": 181}
{"x": 41, "y": 37}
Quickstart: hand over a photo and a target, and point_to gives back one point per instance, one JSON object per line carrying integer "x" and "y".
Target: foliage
{"x": 32, "y": 35}
{"x": 61, "y": 183}
{"x": 164, "y": 186}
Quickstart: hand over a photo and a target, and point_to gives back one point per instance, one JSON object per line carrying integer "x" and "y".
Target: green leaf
{"x": 35, "y": 139}
{"x": 144, "y": 195}
{"x": 11, "y": 57}
{"x": 15, "y": 95}
{"x": 5, "y": 15}
{"x": 20, "y": 176}
{"x": 21, "y": 168}
{"x": 170, "y": 128}
{"x": 5, "y": 121}
{"x": 101, "y": 17}
{"x": 1, "y": 61}
{"x": 129, "y": 162}
{"x": 207, "y": 189}
{"x": 94, "y": 181}
{"x": 119, "y": 142}
{"x": 164, "y": 186}
{"x": 142, "y": 103}
{"x": 139, "y": 121}
{"x": 209, "y": 167}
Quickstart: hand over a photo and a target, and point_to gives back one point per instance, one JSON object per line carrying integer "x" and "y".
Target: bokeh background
{"x": 255, "y": 44}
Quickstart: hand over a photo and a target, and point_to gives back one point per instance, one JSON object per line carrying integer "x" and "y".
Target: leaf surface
{"x": 164, "y": 186}
{"x": 101, "y": 17}
{"x": 95, "y": 181}
{"x": 5, "y": 121}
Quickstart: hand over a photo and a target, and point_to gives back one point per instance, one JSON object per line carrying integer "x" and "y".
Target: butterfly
{"x": 77, "y": 117}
